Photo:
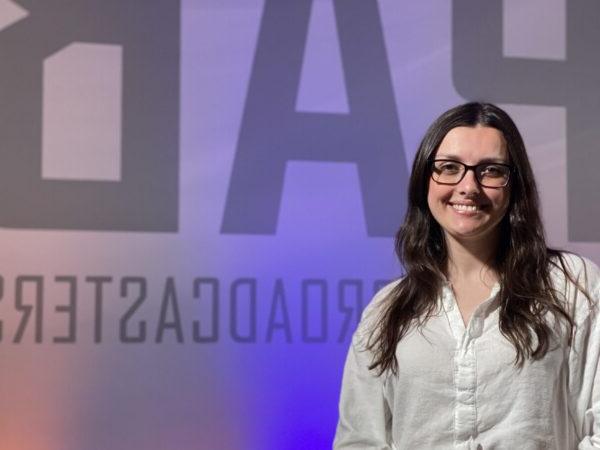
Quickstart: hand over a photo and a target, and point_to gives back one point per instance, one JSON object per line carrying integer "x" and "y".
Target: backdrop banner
{"x": 199, "y": 197}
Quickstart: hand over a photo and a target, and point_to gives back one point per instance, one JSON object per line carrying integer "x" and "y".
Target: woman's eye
{"x": 493, "y": 171}
{"x": 449, "y": 167}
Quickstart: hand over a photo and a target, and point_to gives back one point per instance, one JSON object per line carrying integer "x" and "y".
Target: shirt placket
{"x": 465, "y": 366}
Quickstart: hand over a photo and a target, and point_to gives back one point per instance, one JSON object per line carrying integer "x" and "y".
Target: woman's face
{"x": 478, "y": 221}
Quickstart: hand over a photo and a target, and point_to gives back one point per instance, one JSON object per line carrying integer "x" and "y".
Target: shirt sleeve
{"x": 589, "y": 398}
{"x": 365, "y": 417}
{"x": 585, "y": 364}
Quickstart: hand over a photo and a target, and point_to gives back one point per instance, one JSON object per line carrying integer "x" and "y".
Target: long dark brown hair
{"x": 523, "y": 261}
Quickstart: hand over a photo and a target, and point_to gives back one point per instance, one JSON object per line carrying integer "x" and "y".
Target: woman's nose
{"x": 469, "y": 182}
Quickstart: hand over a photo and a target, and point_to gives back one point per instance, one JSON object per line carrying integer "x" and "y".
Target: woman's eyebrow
{"x": 482, "y": 160}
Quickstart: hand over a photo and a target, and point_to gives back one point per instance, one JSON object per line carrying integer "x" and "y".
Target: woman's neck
{"x": 472, "y": 259}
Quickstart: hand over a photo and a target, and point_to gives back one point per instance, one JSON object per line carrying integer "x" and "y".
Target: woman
{"x": 491, "y": 340}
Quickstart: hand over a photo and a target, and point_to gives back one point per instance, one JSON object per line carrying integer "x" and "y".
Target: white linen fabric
{"x": 458, "y": 388}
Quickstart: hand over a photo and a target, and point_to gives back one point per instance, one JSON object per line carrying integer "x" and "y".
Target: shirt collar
{"x": 486, "y": 306}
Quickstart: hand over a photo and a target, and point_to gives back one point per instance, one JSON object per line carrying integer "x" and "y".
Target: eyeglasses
{"x": 448, "y": 171}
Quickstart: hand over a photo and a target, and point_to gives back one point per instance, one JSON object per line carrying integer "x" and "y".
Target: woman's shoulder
{"x": 582, "y": 269}
{"x": 371, "y": 315}
{"x": 578, "y": 278}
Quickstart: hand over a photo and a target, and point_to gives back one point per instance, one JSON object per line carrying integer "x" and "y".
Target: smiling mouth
{"x": 468, "y": 208}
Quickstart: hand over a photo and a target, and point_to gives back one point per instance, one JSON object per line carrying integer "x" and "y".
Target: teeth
{"x": 465, "y": 207}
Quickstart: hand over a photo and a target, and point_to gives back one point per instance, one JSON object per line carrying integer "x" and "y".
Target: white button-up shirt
{"x": 457, "y": 386}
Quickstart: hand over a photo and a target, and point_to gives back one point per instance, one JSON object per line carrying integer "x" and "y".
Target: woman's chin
{"x": 470, "y": 234}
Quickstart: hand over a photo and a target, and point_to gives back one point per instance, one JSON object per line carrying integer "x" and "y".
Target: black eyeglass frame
{"x": 474, "y": 169}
